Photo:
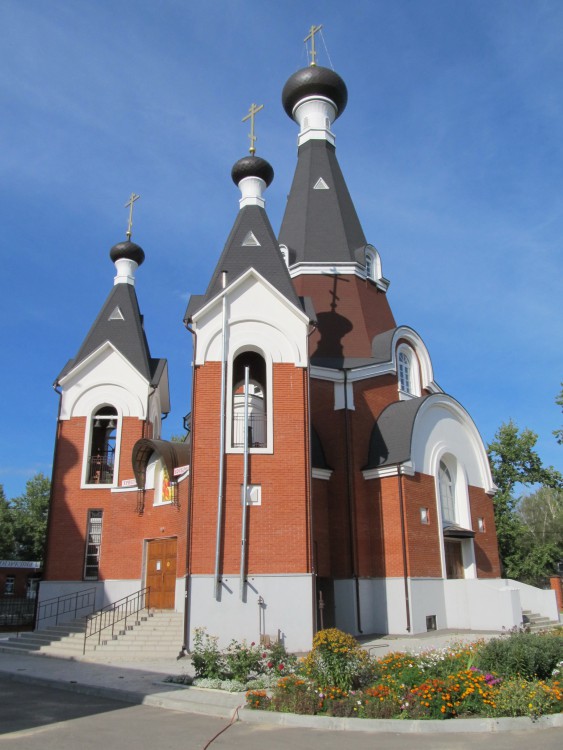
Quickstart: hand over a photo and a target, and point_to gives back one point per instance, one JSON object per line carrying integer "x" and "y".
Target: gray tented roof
{"x": 121, "y": 323}
{"x": 237, "y": 258}
{"x": 391, "y": 436}
{"x": 320, "y": 225}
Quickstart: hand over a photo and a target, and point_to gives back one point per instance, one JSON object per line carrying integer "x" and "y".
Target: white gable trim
{"x": 239, "y": 282}
{"x": 88, "y": 363}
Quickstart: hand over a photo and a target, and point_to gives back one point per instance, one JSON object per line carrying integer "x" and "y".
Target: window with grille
{"x": 93, "y": 545}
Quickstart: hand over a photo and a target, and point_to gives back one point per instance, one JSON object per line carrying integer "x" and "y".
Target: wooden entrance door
{"x": 454, "y": 560}
{"x": 161, "y": 572}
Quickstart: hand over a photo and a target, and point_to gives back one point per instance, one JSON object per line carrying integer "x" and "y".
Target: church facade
{"x": 326, "y": 479}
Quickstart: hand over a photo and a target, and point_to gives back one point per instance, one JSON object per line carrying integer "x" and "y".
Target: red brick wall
{"x": 347, "y": 323}
{"x": 124, "y": 529}
{"x": 279, "y": 529}
{"x": 486, "y": 547}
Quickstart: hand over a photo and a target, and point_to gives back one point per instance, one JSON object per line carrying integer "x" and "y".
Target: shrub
{"x": 258, "y": 700}
{"x": 336, "y": 660}
{"x": 207, "y": 660}
{"x": 521, "y": 697}
{"x": 240, "y": 660}
{"x": 525, "y": 654}
{"x": 295, "y": 695}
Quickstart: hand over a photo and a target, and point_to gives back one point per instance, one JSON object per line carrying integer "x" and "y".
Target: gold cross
{"x": 134, "y": 197}
{"x": 311, "y": 36}
{"x": 250, "y": 116}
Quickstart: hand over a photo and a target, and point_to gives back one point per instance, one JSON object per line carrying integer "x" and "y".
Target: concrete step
{"x": 155, "y": 635}
{"x": 536, "y": 623}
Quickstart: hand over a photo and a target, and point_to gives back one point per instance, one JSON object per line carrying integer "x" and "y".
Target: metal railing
{"x": 75, "y": 604}
{"x": 16, "y": 613}
{"x": 257, "y": 430}
{"x": 118, "y": 612}
{"x": 100, "y": 469}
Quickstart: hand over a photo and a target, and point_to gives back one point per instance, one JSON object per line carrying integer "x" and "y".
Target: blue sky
{"x": 451, "y": 146}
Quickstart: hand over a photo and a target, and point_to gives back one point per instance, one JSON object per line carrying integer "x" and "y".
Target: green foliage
{"x": 336, "y": 660}
{"x": 514, "y": 462}
{"x": 242, "y": 660}
{"x": 29, "y": 513}
{"x": 521, "y": 697}
{"x": 7, "y": 537}
{"x": 207, "y": 660}
{"x": 295, "y": 695}
{"x": 441, "y": 684}
{"x": 527, "y": 655}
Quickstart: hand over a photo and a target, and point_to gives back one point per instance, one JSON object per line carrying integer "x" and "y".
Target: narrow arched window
{"x": 370, "y": 265}
{"x": 446, "y": 484}
{"x": 405, "y": 376}
{"x": 101, "y": 461}
{"x": 256, "y": 397}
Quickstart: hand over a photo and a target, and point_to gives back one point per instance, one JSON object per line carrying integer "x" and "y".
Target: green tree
{"x": 30, "y": 518}
{"x": 516, "y": 463}
{"x": 559, "y": 433}
{"x": 541, "y": 545}
{"x": 7, "y": 538}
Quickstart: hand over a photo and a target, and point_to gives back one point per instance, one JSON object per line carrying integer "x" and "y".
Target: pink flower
{"x": 252, "y": 644}
{"x": 270, "y": 664}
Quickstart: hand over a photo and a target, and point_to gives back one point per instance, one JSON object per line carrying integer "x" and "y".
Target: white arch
{"x": 442, "y": 426}
{"x": 423, "y": 361}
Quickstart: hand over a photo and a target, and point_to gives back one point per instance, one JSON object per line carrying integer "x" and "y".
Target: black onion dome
{"x": 315, "y": 80}
{"x": 128, "y": 250}
{"x": 252, "y": 166}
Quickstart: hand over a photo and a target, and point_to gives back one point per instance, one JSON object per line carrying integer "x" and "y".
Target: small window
{"x": 481, "y": 525}
{"x": 9, "y": 585}
{"x": 424, "y": 516}
{"x": 93, "y": 545}
{"x": 101, "y": 462}
{"x": 285, "y": 253}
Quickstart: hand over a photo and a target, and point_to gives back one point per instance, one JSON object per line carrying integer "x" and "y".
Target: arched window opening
{"x": 446, "y": 484}
{"x": 405, "y": 377}
{"x": 101, "y": 462}
{"x": 257, "y": 418}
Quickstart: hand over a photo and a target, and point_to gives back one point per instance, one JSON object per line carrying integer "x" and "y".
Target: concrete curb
{"x": 396, "y": 726}
{"x": 172, "y": 700}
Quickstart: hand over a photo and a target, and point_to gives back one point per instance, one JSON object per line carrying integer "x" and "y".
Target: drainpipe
{"x": 244, "y": 488}
{"x": 404, "y": 541}
{"x": 184, "y": 649}
{"x": 221, "y": 480}
{"x": 51, "y": 493}
{"x": 351, "y": 509}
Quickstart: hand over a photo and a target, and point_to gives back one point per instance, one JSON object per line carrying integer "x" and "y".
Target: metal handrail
{"x": 74, "y": 603}
{"x": 119, "y": 611}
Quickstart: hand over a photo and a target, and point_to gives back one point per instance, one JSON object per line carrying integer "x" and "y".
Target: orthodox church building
{"x": 326, "y": 479}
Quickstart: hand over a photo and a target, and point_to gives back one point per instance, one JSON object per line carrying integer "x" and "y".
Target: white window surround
{"x": 408, "y": 372}
{"x": 461, "y": 508}
{"x": 84, "y": 484}
{"x": 269, "y": 448}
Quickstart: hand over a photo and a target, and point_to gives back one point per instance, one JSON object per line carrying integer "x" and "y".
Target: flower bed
{"x": 513, "y": 675}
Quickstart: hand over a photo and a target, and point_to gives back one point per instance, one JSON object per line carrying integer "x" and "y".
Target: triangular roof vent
{"x": 116, "y": 314}
{"x": 250, "y": 240}
{"x": 320, "y": 184}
